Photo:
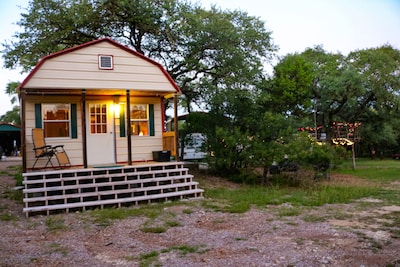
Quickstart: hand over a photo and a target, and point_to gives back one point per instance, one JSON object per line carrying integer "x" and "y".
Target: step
{"x": 110, "y": 192}
{"x": 113, "y": 201}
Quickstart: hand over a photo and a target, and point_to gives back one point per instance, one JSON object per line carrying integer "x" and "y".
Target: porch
{"x": 70, "y": 190}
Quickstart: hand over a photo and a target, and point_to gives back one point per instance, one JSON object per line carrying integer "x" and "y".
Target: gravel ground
{"x": 359, "y": 234}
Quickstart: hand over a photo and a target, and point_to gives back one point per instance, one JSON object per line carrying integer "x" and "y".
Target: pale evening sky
{"x": 338, "y": 25}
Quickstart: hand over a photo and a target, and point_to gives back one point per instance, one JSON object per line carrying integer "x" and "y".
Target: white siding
{"x": 73, "y": 147}
{"x": 142, "y": 146}
{"x": 78, "y": 69}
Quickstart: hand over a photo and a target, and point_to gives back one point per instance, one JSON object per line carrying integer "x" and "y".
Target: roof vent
{"x": 106, "y": 62}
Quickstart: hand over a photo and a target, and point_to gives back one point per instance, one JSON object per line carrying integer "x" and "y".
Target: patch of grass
{"x": 58, "y": 248}
{"x": 157, "y": 229}
{"x": 289, "y": 211}
{"x": 338, "y": 215}
{"x": 312, "y": 218}
{"x": 185, "y": 249}
{"x": 240, "y": 200}
{"x": 149, "y": 259}
{"x": 8, "y": 217}
{"x": 55, "y": 223}
{"x": 376, "y": 170}
{"x": 173, "y": 223}
{"x": 18, "y": 179}
{"x": 104, "y": 217}
{"x": 392, "y": 224}
{"x": 13, "y": 194}
{"x": 187, "y": 211}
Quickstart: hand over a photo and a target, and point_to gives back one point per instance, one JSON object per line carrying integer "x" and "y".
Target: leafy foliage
{"x": 217, "y": 57}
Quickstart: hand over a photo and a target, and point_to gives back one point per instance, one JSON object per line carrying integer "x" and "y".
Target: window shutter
{"x": 74, "y": 122}
{"x": 38, "y": 116}
{"x": 151, "y": 120}
{"x": 122, "y": 131}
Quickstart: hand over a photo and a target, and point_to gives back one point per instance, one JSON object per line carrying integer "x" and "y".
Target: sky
{"x": 338, "y": 25}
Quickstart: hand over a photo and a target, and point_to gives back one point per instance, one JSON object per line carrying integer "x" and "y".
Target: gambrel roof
{"x": 78, "y": 68}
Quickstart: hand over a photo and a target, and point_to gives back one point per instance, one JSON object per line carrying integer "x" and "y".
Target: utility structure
{"x": 347, "y": 134}
{"x": 343, "y": 133}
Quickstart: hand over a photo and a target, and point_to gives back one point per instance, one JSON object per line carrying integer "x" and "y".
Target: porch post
{"x": 23, "y": 130}
{"x": 83, "y": 123}
{"x": 128, "y": 123}
{"x": 176, "y": 127}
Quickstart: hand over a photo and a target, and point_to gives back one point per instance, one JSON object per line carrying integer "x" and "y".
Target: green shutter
{"x": 38, "y": 116}
{"x": 122, "y": 131}
{"x": 74, "y": 122}
{"x": 151, "y": 119}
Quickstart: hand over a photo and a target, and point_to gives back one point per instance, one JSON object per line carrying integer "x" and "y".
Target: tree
{"x": 205, "y": 51}
{"x": 12, "y": 116}
{"x": 364, "y": 86}
{"x": 378, "y": 105}
{"x": 290, "y": 89}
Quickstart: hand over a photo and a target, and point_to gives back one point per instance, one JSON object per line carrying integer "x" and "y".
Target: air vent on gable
{"x": 106, "y": 62}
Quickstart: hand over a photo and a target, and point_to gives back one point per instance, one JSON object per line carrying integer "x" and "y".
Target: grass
{"x": 57, "y": 248}
{"x": 151, "y": 258}
{"x": 240, "y": 200}
{"x": 55, "y": 223}
{"x": 374, "y": 176}
{"x": 375, "y": 170}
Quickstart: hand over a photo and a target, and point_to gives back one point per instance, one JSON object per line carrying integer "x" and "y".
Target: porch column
{"x": 128, "y": 123}
{"x": 176, "y": 127}
{"x": 83, "y": 123}
{"x": 23, "y": 130}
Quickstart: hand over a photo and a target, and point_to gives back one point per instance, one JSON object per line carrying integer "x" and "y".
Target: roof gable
{"x": 133, "y": 70}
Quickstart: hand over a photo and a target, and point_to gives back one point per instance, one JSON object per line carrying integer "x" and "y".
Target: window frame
{"x": 134, "y": 121}
{"x": 44, "y": 107}
{"x": 101, "y": 67}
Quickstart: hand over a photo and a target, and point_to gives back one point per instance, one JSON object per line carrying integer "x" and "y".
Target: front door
{"x": 100, "y": 133}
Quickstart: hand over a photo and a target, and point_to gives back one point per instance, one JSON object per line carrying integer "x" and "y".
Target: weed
{"x": 13, "y": 194}
{"x": 54, "y": 223}
{"x": 312, "y": 218}
{"x": 7, "y": 217}
{"x": 187, "y": 211}
{"x": 153, "y": 229}
{"x": 58, "y": 248}
{"x": 149, "y": 259}
{"x": 172, "y": 223}
{"x": 289, "y": 211}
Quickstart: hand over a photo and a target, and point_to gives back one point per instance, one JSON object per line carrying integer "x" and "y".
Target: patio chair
{"x": 46, "y": 151}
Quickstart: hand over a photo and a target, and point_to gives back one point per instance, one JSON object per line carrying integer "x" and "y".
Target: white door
{"x": 100, "y": 133}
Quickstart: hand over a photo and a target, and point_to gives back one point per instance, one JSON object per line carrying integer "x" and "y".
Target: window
{"x": 98, "y": 118}
{"x": 139, "y": 119}
{"x": 106, "y": 62}
{"x": 56, "y": 120}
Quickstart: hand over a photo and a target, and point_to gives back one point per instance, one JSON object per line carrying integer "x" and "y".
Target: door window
{"x": 98, "y": 118}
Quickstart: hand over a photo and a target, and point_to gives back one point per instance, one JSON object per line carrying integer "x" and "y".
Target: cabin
{"x": 104, "y": 103}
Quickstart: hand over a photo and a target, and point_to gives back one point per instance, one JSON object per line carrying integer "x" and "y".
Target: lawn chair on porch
{"x": 45, "y": 151}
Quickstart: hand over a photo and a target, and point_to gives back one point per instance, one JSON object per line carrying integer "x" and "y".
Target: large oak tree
{"x": 207, "y": 51}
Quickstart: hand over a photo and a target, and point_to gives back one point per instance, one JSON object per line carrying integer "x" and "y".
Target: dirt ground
{"x": 365, "y": 233}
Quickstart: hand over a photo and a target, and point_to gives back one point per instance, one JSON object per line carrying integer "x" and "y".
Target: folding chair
{"x": 61, "y": 156}
{"x": 45, "y": 151}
